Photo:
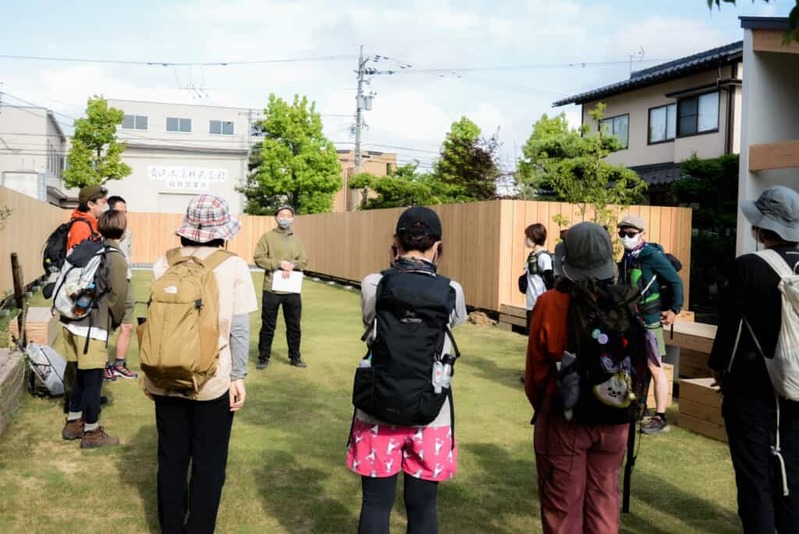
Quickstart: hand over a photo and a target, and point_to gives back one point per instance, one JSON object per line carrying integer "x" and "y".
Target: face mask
{"x": 284, "y": 223}
{"x": 630, "y": 243}
{"x": 528, "y": 243}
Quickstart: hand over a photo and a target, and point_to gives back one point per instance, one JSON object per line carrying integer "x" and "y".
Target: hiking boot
{"x": 93, "y": 439}
{"x": 297, "y": 362}
{"x": 108, "y": 374}
{"x": 73, "y": 429}
{"x": 120, "y": 370}
{"x": 655, "y": 425}
{"x": 262, "y": 364}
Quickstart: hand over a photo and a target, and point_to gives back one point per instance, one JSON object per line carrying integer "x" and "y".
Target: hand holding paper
{"x": 287, "y": 284}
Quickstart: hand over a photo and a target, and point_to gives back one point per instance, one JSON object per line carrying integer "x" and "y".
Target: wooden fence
{"x": 25, "y": 231}
{"x": 483, "y": 241}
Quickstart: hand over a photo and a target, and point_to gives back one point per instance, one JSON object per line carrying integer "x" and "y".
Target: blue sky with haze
{"x": 454, "y": 49}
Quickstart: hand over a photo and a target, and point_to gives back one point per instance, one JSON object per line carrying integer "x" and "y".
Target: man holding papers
{"x": 282, "y": 255}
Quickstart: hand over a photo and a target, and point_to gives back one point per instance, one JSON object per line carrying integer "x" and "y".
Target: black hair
{"x": 112, "y": 224}
{"x": 770, "y": 235}
{"x": 83, "y": 207}
{"x": 216, "y": 243}
{"x": 420, "y": 242}
{"x": 114, "y": 200}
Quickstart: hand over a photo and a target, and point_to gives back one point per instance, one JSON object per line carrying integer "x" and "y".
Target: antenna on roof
{"x": 639, "y": 55}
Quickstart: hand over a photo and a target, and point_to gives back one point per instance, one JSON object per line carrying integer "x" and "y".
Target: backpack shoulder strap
{"x": 173, "y": 255}
{"x": 216, "y": 258}
{"x": 86, "y": 221}
{"x": 776, "y": 262}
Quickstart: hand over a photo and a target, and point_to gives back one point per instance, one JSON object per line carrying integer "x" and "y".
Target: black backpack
{"x": 412, "y": 313}
{"x": 666, "y": 289}
{"x": 55, "y": 248}
{"x": 601, "y": 376}
{"x": 533, "y": 267}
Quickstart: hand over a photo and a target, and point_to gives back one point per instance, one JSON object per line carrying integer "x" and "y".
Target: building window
{"x": 618, "y": 126}
{"x": 662, "y": 123}
{"x": 174, "y": 124}
{"x": 698, "y": 114}
{"x": 134, "y": 122}
{"x": 221, "y": 127}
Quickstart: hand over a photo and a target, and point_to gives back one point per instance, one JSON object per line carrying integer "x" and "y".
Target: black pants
{"x": 378, "y": 499}
{"x": 196, "y": 432}
{"x": 751, "y": 430}
{"x": 85, "y": 395}
{"x": 292, "y": 313}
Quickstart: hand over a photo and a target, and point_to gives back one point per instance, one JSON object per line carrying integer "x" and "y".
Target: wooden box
{"x": 650, "y": 398}
{"x": 41, "y": 326}
{"x": 700, "y": 408}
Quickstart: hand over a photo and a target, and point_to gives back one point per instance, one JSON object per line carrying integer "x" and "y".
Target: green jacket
{"x": 651, "y": 263}
{"x": 275, "y": 246}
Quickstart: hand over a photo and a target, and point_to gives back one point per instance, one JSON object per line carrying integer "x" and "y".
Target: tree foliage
{"x": 568, "y": 165}
{"x": 792, "y": 34}
{"x": 294, "y": 163}
{"x": 95, "y": 154}
{"x": 469, "y": 163}
{"x": 710, "y": 186}
{"x": 405, "y": 186}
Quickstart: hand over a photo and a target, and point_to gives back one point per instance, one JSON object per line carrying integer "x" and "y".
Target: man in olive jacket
{"x": 279, "y": 252}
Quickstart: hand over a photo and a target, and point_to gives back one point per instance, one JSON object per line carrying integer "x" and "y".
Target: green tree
{"x": 793, "y": 18}
{"x": 95, "y": 154}
{"x": 406, "y": 186}
{"x": 469, "y": 163}
{"x": 710, "y": 186}
{"x": 294, "y": 163}
{"x": 568, "y": 165}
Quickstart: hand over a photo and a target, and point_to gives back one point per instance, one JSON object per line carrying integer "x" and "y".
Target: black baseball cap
{"x": 419, "y": 220}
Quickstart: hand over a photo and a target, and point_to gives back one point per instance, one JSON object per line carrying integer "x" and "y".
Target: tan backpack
{"x": 179, "y": 341}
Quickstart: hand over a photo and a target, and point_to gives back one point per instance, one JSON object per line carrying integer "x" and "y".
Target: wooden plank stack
{"x": 12, "y": 370}
{"x": 700, "y": 408}
{"x": 41, "y": 326}
{"x": 510, "y": 316}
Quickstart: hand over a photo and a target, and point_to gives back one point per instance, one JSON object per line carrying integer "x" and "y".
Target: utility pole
{"x": 359, "y": 105}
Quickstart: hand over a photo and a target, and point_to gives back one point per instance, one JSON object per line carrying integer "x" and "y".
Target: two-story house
{"x": 664, "y": 114}
{"x": 33, "y": 148}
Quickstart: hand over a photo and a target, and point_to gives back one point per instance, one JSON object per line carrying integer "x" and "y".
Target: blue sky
{"x": 535, "y": 42}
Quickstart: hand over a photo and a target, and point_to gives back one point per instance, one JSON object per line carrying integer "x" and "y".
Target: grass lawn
{"x": 286, "y": 469}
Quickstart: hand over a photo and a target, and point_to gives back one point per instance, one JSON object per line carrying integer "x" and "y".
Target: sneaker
{"x": 93, "y": 439}
{"x": 108, "y": 374}
{"x": 655, "y": 425}
{"x": 262, "y": 364}
{"x": 73, "y": 429}
{"x": 298, "y": 363}
{"x": 121, "y": 371}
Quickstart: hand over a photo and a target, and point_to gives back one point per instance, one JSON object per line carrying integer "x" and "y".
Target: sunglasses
{"x": 628, "y": 233}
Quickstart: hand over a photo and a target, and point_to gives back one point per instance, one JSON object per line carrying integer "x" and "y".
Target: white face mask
{"x": 284, "y": 223}
{"x": 528, "y": 243}
{"x": 630, "y": 243}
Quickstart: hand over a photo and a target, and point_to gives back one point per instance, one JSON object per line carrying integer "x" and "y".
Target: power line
{"x": 176, "y": 63}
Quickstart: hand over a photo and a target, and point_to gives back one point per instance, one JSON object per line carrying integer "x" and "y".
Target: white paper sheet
{"x": 292, "y": 284}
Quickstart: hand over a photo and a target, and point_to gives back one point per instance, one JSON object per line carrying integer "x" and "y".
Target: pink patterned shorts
{"x": 423, "y": 452}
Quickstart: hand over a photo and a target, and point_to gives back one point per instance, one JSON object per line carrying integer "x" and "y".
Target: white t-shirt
{"x": 236, "y": 297}
{"x": 535, "y": 282}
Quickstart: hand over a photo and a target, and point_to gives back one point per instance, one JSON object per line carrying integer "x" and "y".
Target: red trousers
{"x": 578, "y": 474}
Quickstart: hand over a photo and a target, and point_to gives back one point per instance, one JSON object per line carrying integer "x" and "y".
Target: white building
{"x": 32, "y": 152}
{"x": 770, "y": 135}
{"x": 178, "y": 150}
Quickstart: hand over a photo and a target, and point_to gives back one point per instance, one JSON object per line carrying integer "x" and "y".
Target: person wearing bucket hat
{"x": 193, "y": 507}
{"x": 279, "y": 252}
{"x": 762, "y": 427}
{"x": 577, "y": 482}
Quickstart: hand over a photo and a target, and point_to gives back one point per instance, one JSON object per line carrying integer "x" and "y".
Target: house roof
{"x": 661, "y": 73}
{"x": 765, "y": 23}
{"x": 659, "y": 173}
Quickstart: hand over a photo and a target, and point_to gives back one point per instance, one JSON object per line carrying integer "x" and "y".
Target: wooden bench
{"x": 41, "y": 326}
{"x": 694, "y": 341}
{"x": 700, "y": 408}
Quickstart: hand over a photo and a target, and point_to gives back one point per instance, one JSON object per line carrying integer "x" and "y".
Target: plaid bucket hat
{"x": 208, "y": 218}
